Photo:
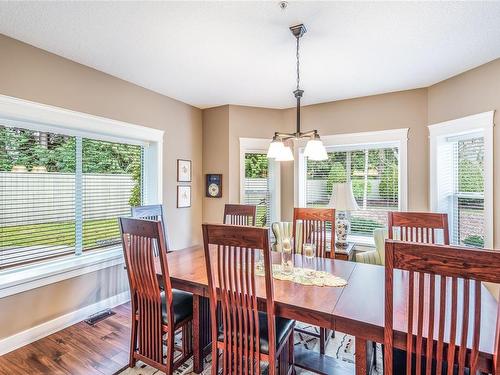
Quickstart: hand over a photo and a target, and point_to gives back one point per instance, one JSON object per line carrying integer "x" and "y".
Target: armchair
{"x": 376, "y": 256}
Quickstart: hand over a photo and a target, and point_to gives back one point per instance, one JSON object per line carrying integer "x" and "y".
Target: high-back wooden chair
{"x": 247, "y": 335}
{"x": 318, "y": 227}
{"x": 156, "y": 312}
{"x": 151, "y": 212}
{"x": 442, "y": 286}
{"x": 418, "y": 226}
{"x": 240, "y": 214}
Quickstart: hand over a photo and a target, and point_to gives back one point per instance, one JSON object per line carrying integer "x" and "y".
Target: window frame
{"x": 354, "y": 141}
{"x": 438, "y": 133}
{"x": 260, "y": 145}
{"x": 15, "y": 112}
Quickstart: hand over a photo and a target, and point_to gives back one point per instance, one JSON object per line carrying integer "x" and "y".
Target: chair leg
{"x": 291, "y": 355}
{"x": 170, "y": 351}
{"x": 215, "y": 359}
{"x": 133, "y": 342}
{"x": 322, "y": 340}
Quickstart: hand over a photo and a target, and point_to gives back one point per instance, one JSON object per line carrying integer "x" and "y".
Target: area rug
{"x": 340, "y": 347}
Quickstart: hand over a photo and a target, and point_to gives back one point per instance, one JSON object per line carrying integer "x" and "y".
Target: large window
{"x": 375, "y": 165}
{"x": 374, "y": 175}
{"x": 460, "y": 178}
{"x": 62, "y": 194}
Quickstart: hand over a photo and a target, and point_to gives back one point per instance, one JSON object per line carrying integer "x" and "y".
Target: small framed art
{"x": 183, "y": 170}
{"x": 183, "y": 196}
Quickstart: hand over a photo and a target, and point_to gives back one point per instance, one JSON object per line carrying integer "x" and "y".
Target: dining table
{"x": 355, "y": 309}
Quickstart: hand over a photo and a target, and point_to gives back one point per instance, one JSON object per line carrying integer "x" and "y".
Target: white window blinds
{"x": 461, "y": 187}
{"x": 374, "y": 174}
{"x": 256, "y": 186}
{"x": 62, "y": 195}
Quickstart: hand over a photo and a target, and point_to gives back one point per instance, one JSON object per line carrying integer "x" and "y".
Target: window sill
{"x": 362, "y": 242}
{"x": 18, "y": 280}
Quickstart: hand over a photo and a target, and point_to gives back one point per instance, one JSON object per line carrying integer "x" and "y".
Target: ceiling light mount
{"x": 315, "y": 150}
{"x": 298, "y": 30}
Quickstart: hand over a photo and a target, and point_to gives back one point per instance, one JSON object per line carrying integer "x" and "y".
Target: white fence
{"x": 33, "y": 198}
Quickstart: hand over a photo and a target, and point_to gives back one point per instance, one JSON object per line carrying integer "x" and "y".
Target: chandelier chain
{"x": 298, "y": 64}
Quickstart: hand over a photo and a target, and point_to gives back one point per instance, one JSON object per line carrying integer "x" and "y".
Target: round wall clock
{"x": 214, "y": 186}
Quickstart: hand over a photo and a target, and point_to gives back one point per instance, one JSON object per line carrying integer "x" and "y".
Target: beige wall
{"x": 33, "y": 74}
{"x": 475, "y": 91}
{"x": 222, "y": 129}
{"x": 248, "y": 122}
{"x": 36, "y": 306}
{"x": 216, "y": 159}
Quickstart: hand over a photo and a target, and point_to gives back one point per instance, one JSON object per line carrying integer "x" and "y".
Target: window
{"x": 461, "y": 177}
{"x": 374, "y": 163}
{"x": 257, "y": 186}
{"x": 374, "y": 175}
{"x": 62, "y": 194}
{"x": 260, "y": 181}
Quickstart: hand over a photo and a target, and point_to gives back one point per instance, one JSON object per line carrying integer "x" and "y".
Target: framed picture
{"x": 183, "y": 170}
{"x": 183, "y": 196}
{"x": 213, "y": 188}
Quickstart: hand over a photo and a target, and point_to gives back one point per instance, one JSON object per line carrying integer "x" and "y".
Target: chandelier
{"x": 315, "y": 150}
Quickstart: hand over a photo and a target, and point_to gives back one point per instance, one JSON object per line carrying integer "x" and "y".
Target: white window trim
{"x": 260, "y": 145}
{"x": 20, "y": 279}
{"x": 31, "y": 115}
{"x": 483, "y": 122}
{"x": 352, "y": 141}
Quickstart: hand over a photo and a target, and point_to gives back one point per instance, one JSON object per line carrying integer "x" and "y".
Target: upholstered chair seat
{"x": 182, "y": 303}
{"x": 282, "y": 329}
{"x": 284, "y": 229}
{"x": 376, "y": 256}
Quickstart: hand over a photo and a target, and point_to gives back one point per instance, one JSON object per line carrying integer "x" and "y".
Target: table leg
{"x": 201, "y": 331}
{"x": 361, "y": 368}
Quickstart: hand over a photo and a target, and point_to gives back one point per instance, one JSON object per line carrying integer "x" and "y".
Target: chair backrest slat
{"x": 440, "y": 271}
{"x": 140, "y": 238}
{"x": 231, "y": 254}
{"x": 240, "y": 214}
{"x": 316, "y": 223}
{"x": 420, "y": 227}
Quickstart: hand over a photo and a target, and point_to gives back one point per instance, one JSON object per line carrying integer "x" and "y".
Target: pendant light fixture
{"x": 315, "y": 150}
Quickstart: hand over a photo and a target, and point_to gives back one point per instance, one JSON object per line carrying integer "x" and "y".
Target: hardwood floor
{"x": 80, "y": 349}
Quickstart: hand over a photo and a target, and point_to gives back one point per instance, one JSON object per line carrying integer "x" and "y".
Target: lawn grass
{"x": 59, "y": 233}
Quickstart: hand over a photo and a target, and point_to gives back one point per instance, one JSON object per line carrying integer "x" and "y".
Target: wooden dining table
{"x": 356, "y": 309}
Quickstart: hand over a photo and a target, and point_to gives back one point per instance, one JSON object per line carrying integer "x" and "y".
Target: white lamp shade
{"x": 275, "y": 149}
{"x": 315, "y": 150}
{"x": 286, "y": 154}
{"x": 342, "y": 198}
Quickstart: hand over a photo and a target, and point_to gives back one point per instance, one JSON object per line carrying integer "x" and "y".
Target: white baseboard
{"x": 28, "y": 336}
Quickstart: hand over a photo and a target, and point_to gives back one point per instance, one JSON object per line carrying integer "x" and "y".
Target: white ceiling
{"x": 213, "y": 53}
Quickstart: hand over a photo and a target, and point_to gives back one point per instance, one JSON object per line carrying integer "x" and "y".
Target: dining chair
{"x": 240, "y": 214}
{"x": 151, "y": 212}
{"x": 421, "y": 227}
{"x": 443, "y": 285}
{"x": 317, "y": 226}
{"x": 246, "y": 335}
{"x": 156, "y": 312}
